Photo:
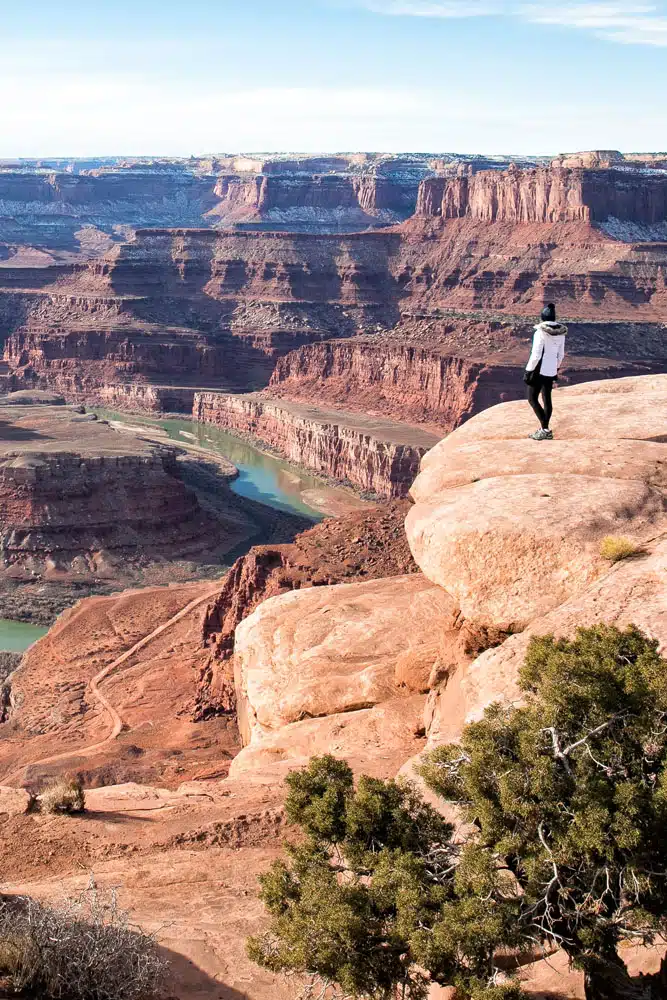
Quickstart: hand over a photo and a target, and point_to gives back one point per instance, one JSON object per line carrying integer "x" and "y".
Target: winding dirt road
{"x": 101, "y": 699}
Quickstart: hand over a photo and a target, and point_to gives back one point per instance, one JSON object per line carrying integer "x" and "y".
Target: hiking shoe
{"x": 540, "y": 435}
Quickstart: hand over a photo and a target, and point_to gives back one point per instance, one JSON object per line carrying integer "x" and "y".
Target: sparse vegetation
{"x": 84, "y": 949}
{"x": 64, "y": 795}
{"x": 565, "y": 800}
{"x": 616, "y": 547}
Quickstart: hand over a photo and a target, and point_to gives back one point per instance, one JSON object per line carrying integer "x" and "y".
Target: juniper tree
{"x": 566, "y": 798}
{"x": 372, "y": 899}
{"x": 569, "y": 792}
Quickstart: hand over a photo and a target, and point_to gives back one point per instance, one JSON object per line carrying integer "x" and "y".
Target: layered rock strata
{"x": 379, "y": 456}
{"x": 80, "y": 502}
{"x": 404, "y": 381}
{"x": 85, "y": 206}
{"x": 550, "y": 194}
{"x": 315, "y": 201}
{"x": 198, "y": 308}
{"x": 137, "y": 397}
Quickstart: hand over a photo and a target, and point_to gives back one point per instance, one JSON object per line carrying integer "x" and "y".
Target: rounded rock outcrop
{"x": 511, "y": 548}
{"x": 335, "y": 649}
{"x": 511, "y": 527}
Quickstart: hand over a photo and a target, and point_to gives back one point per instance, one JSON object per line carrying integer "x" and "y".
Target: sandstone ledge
{"x": 511, "y": 548}
{"x": 632, "y": 592}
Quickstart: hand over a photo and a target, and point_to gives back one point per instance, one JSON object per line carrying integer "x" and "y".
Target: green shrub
{"x": 64, "y": 795}
{"x": 565, "y": 801}
{"x": 615, "y": 547}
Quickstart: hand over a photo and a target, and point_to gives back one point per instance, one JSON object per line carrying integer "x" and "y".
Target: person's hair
{"x": 549, "y": 313}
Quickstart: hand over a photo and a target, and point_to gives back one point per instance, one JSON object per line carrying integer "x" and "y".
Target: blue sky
{"x": 173, "y": 78}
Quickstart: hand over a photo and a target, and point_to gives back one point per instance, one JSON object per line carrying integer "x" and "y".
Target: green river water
{"x": 261, "y": 477}
{"x": 17, "y": 636}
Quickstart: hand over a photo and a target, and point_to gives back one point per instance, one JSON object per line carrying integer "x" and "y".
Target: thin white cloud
{"x": 630, "y": 24}
{"x": 624, "y": 21}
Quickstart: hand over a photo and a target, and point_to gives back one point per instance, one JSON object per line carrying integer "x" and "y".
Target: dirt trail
{"x": 116, "y": 720}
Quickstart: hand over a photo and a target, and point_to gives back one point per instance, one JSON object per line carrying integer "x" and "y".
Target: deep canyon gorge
{"x": 425, "y": 321}
{"x": 359, "y": 322}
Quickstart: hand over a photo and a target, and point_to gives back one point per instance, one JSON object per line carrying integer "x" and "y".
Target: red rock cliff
{"x": 402, "y": 380}
{"x": 337, "y": 199}
{"x": 548, "y": 194}
{"x": 445, "y": 383}
{"x": 86, "y": 516}
{"x": 200, "y": 308}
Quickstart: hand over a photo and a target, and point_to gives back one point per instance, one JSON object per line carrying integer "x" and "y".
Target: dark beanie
{"x": 549, "y": 313}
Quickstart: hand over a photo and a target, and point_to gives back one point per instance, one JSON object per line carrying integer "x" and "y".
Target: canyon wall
{"x": 339, "y": 200}
{"x": 360, "y": 280}
{"x": 89, "y": 365}
{"x": 136, "y": 397}
{"x": 392, "y": 377}
{"x": 541, "y": 195}
{"x": 373, "y": 455}
{"x": 79, "y": 515}
{"x": 288, "y": 267}
{"x": 83, "y": 208}
{"x": 190, "y": 307}
{"x": 548, "y": 194}
{"x": 194, "y": 309}
{"x": 53, "y": 210}
{"x": 212, "y": 309}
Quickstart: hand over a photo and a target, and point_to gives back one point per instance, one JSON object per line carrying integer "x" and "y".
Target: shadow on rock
{"x": 186, "y": 981}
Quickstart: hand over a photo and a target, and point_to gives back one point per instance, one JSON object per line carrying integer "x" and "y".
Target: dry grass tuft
{"x": 616, "y": 547}
{"x": 65, "y": 795}
{"x": 84, "y": 949}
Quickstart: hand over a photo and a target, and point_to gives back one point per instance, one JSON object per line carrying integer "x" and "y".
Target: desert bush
{"x": 616, "y": 547}
{"x": 84, "y": 949}
{"x": 64, "y": 795}
{"x": 564, "y": 799}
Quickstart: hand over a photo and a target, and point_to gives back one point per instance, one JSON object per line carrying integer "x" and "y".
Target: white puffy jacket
{"x": 549, "y": 345}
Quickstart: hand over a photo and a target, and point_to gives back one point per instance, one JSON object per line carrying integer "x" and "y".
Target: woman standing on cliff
{"x": 542, "y": 368}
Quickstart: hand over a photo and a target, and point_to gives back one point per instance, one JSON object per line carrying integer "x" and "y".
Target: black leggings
{"x": 541, "y": 385}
